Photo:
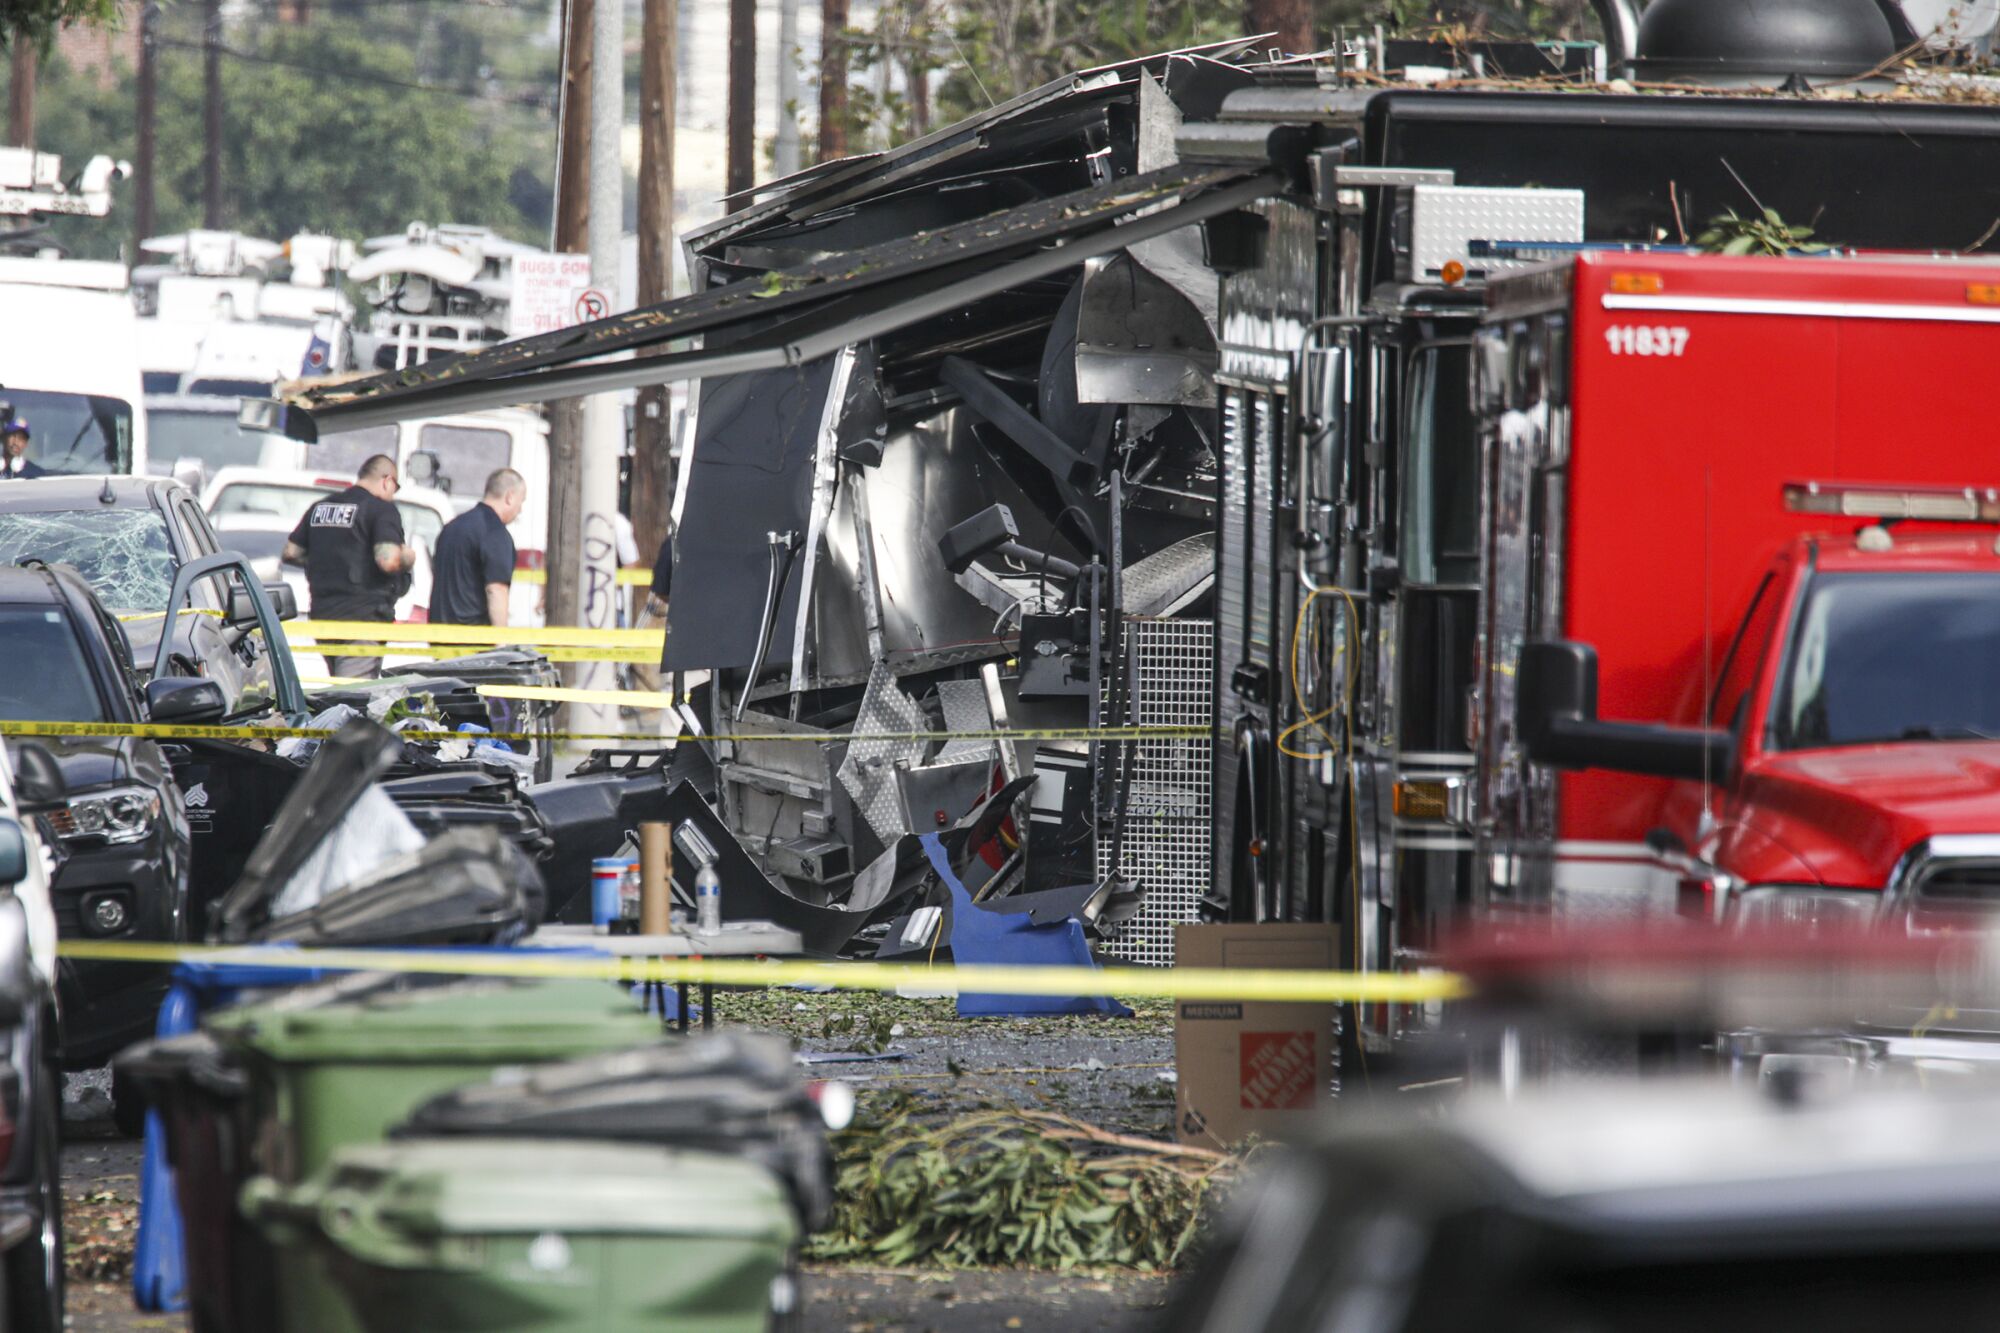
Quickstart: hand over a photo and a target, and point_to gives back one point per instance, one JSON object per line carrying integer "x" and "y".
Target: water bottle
{"x": 628, "y": 901}
{"x": 708, "y": 899}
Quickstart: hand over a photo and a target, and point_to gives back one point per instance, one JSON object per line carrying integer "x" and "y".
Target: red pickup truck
{"x": 1740, "y": 655}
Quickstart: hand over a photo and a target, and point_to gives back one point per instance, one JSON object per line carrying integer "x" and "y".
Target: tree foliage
{"x": 37, "y": 20}
{"x": 356, "y": 124}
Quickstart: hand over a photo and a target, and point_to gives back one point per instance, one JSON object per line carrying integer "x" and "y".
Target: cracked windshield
{"x": 122, "y": 552}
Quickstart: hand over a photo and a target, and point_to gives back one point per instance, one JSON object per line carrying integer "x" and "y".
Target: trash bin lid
{"x": 426, "y": 1188}
{"x": 481, "y": 1022}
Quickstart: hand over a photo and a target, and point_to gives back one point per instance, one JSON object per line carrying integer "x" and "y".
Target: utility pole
{"x": 565, "y": 539}
{"x": 785, "y": 158}
{"x": 742, "y": 98}
{"x": 653, "y": 427}
{"x": 211, "y": 146}
{"x": 916, "y": 72}
{"x": 21, "y": 92}
{"x": 603, "y": 414}
{"x": 1289, "y": 22}
{"x": 832, "y": 79}
{"x": 142, "y": 157}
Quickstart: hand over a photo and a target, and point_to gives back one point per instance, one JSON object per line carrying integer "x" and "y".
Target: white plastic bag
{"x": 373, "y": 831}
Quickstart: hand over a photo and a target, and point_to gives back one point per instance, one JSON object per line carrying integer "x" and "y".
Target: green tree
{"x": 37, "y": 20}
{"x": 353, "y": 125}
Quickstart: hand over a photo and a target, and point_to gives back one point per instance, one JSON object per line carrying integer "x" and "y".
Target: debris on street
{"x": 1012, "y": 1187}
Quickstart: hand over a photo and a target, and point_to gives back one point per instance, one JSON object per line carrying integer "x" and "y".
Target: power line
{"x": 518, "y": 98}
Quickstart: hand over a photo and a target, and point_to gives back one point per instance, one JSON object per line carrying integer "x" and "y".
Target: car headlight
{"x": 118, "y": 814}
{"x": 1805, "y": 909}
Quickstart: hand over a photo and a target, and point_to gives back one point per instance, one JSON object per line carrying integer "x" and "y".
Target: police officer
{"x": 15, "y": 465}
{"x": 472, "y": 568}
{"x": 356, "y": 560}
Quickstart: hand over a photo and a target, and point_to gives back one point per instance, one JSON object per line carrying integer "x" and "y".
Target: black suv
{"x": 124, "y": 818}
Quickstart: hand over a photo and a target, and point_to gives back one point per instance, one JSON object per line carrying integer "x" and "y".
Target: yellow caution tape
{"x": 1245, "y": 985}
{"x": 557, "y": 694}
{"x": 186, "y": 731}
{"x": 647, "y": 656}
{"x": 487, "y": 636}
{"x": 627, "y": 578}
{"x": 161, "y": 615}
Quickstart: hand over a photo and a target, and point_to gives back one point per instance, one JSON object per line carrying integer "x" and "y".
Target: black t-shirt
{"x": 340, "y": 534}
{"x": 663, "y": 569}
{"x": 472, "y": 551}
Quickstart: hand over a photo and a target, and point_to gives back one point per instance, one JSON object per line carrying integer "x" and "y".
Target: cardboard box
{"x": 1252, "y": 1068}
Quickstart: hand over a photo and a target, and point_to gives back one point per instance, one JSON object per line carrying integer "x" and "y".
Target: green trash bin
{"x": 329, "y": 1067}
{"x": 339, "y": 1063}
{"x": 542, "y": 1236}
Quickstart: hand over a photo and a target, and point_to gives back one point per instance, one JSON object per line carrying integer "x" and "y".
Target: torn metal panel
{"x": 1139, "y": 340}
{"x": 801, "y": 195}
{"x": 933, "y": 473}
{"x": 1014, "y": 234}
{"x": 1169, "y": 579}
{"x": 747, "y": 893}
{"x": 826, "y": 476}
{"x": 935, "y": 796}
{"x": 965, "y": 710}
{"x": 869, "y": 771}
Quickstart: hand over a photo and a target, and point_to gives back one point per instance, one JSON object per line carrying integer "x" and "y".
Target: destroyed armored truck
{"x": 1200, "y": 327}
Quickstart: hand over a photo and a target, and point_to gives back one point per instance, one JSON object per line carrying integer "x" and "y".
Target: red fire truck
{"x": 1740, "y": 550}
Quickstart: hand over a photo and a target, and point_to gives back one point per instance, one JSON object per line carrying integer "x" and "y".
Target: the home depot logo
{"x": 1278, "y": 1070}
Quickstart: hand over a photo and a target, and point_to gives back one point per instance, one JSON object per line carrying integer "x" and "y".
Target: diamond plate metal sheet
{"x": 1152, "y": 585}
{"x": 869, "y": 770}
{"x": 1446, "y": 219}
{"x": 965, "y": 709}
{"x": 1167, "y": 834}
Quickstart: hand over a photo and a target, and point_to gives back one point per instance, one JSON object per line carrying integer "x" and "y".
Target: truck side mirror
{"x": 243, "y": 608}
{"x": 283, "y": 600}
{"x": 190, "y": 699}
{"x": 1556, "y": 717}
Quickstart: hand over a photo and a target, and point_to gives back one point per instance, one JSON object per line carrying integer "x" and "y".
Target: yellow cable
{"x": 1349, "y": 652}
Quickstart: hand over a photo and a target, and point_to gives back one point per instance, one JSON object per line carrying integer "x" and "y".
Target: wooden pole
{"x": 148, "y": 101}
{"x": 565, "y": 539}
{"x": 652, "y": 458}
{"x": 211, "y": 139}
{"x": 742, "y": 97}
{"x": 832, "y": 79}
{"x": 1289, "y": 20}
{"x": 21, "y": 92}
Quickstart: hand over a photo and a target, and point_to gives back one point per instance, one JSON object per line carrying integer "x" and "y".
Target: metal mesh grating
{"x": 1167, "y": 831}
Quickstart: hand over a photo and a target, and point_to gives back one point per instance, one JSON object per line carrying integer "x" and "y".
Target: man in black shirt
{"x": 355, "y": 558}
{"x": 472, "y": 570}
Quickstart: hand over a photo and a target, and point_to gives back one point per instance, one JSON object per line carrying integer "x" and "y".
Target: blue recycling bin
{"x": 159, "y": 1257}
{"x": 209, "y": 1142}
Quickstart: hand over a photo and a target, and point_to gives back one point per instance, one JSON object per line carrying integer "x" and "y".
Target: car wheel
{"x": 35, "y": 1266}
